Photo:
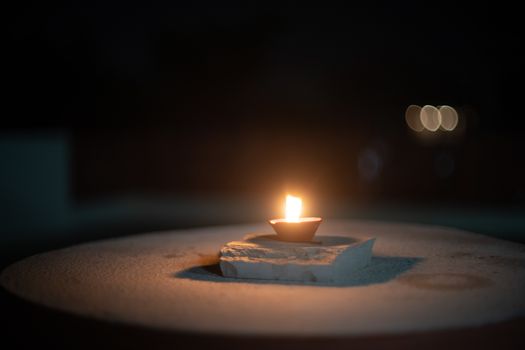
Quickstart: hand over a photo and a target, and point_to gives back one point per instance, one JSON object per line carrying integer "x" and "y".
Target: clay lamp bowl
{"x": 296, "y": 230}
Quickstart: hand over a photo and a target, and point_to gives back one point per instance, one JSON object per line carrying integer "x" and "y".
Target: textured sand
{"x": 421, "y": 278}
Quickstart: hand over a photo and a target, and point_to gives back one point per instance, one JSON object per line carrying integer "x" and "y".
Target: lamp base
{"x": 301, "y": 230}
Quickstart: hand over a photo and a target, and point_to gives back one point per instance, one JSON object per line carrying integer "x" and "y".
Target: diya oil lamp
{"x": 292, "y": 254}
{"x": 294, "y": 228}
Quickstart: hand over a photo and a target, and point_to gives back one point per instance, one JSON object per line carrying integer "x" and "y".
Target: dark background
{"x": 120, "y": 118}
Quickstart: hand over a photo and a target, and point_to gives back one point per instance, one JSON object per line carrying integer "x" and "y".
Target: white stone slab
{"x": 329, "y": 259}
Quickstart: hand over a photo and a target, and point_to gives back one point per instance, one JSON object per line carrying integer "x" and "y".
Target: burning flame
{"x": 293, "y": 208}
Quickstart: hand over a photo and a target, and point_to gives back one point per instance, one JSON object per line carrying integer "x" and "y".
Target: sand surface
{"x": 420, "y": 278}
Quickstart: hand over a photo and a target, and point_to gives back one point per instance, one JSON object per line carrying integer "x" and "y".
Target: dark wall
{"x": 215, "y": 99}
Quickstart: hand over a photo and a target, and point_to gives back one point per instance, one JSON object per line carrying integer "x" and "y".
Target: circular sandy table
{"x": 421, "y": 278}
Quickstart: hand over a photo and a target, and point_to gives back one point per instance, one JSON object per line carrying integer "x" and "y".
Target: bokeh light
{"x": 449, "y": 118}
{"x": 369, "y": 164}
{"x": 412, "y": 117}
{"x": 430, "y": 117}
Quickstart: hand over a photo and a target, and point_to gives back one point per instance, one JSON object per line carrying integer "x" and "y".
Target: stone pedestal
{"x": 328, "y": 259}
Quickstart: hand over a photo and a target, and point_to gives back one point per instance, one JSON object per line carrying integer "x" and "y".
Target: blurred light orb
{"x": 449, "y": 118}
{"x": 369, "y": 164}
{"x": 413, "y": 119}
{"x": 430, "y": 118}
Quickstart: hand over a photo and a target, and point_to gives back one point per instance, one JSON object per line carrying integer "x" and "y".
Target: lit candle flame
{"x": 293, "y": 208}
